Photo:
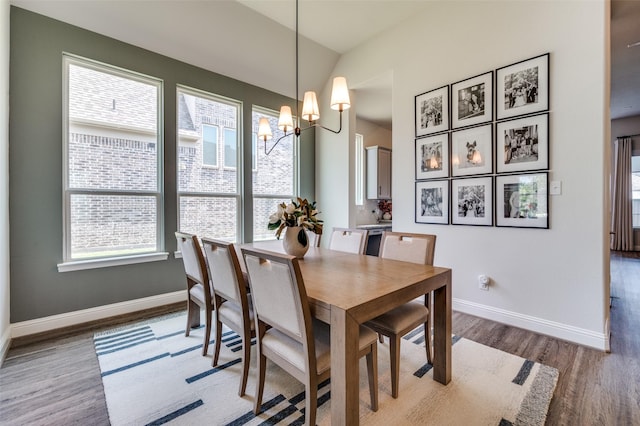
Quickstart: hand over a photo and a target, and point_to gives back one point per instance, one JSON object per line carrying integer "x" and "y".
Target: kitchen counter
{"x": 382, "y": 225}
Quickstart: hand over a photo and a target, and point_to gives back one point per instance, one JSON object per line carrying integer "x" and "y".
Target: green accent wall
{"x": 35, "y": 166}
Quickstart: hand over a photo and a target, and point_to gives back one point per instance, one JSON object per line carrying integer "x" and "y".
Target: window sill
{"x": 80, "y": 265}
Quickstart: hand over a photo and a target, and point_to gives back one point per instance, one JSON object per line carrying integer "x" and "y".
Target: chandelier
{"x": 310, "y": 111}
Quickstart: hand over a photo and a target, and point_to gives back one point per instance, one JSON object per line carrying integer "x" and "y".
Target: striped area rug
{"x": 154, "y": 375}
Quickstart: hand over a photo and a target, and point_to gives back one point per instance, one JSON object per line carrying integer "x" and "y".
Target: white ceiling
{"x": 625, "y": 61}
{"x": 328, "y": 28}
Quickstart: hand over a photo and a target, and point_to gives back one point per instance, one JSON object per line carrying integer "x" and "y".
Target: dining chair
{"x": 287, "y": 333}
{"x": 198, "y": 285}
{"x": 314, "y": 239}
{"x": 232, "y": 304}
{"x": 350, "y": 240}
{"x": 415, "y": 248}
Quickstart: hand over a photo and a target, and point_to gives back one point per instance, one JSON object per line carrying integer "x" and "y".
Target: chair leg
{"x": 246, "y": 355}
{"x": 216, "y": 343}
{"x": 372, "y": 371}
{"x": 207, "y": 333}
{"x": 193, "y": 316}
{"x": 394, "y": 353}
{"x": 262, "y": 362}
{"x": 427, "y": 340}
{"x": 311, "y": 403}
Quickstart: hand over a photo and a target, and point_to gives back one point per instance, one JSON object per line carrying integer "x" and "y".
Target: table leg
{"x": 442, "y": 332}
{"x": 344, "y": 368}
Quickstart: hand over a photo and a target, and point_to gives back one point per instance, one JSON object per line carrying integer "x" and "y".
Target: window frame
{"x": 217, "y": 149}
{"x": 238, "y": 194}
{"x": 359, "y": 170}
{"x": 296, "y": 163}
{"x": 224, "y": 148}
{"x": 634, "y": 213}
{"x": 70, "y": 263}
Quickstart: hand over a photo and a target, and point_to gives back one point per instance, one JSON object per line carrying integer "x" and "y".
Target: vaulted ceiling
{"x": 253, "y": 40}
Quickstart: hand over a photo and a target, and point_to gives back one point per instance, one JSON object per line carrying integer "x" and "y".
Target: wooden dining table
{"x": 345, "y": 290}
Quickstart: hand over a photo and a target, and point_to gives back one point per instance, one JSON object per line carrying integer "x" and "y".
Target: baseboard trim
{"x": 570, "y": 333}
{"x": 53, "y": 322}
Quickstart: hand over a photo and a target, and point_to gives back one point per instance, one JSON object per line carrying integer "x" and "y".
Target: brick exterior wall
{"x": 101, "y": 158}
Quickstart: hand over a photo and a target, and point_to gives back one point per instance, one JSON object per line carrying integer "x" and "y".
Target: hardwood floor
{"x": 57, "y": 381}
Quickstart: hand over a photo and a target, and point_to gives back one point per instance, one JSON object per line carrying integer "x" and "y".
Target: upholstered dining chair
{"x": 198, "y": 286}
{"x": 287, "y": 333}
{"x": 232, "y": 306}
{"x": 415, "y": 248}
{"x": 350, "y": 240}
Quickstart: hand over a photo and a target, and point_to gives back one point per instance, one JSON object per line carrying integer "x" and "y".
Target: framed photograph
{"x": 523, "y": 88}
{"x": 432, "y": 157}
{"x": 472, "y": 151}
{"x": 432, "y": 202}
{"x": 522, "y": 201}
{"x": 523, "y": 144}
{"x": 472, "y": 201}
{"x": 432, "y": 112}
{"x": 472, "y": 101}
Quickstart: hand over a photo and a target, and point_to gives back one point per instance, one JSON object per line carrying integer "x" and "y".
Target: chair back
{"x": 192, "y": 258}
{"x": 408, "y": 247}
{"x": 224, "y": 269}
{"x": 350, "y": 240}
{"x": 278, "y": 293}
{"x": 314, "y": 239}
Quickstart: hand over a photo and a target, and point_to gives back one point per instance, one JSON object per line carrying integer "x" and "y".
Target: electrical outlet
{"x": 483, "y": 282}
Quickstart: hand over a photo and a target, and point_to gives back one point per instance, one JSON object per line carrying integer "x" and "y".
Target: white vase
{"x": 296, "y": 241}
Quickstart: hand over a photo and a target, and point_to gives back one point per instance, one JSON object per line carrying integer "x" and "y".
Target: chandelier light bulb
{"x": 264, "y": 129}
{"x": 310, "y": 110}
{"x": 285, "y": 122}
{"x": 340, "y": 94}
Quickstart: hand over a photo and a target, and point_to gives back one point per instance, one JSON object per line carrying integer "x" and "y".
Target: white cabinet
{"x": 378, "y": 173}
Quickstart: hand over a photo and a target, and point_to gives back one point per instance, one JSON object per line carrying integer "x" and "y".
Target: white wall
{"x": 551, "y": 281}
{"x": 4, "y": 179}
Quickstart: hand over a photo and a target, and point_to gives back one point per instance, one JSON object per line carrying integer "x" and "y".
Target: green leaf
{"x": 302, "y": 237}
{"x": 272, "y": 226}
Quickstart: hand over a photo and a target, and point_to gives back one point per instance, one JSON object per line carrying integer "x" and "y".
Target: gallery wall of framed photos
{"x": 482, "y": 149}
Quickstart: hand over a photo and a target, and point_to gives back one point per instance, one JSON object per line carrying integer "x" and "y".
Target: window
{"x": 112, "y": 162}
{"x": 635, "y": 188}
{"x": 209, "y": 145}
{"x": 275, "y": 176}
{"x": 359, "y": 170}
{"x": 230, "y": 148}
{"x": 208, "y": 197}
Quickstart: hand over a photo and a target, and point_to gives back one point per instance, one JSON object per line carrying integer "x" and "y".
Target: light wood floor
{"x": 57, "y": 381}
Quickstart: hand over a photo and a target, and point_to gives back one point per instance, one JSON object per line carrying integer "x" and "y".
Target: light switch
{"x": 555, "y": 187}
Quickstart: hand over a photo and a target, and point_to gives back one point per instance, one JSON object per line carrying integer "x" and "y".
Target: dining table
{"x": 345, "y": 290}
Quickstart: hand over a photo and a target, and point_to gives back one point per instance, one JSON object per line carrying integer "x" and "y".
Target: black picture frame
{"x": 432, "y": 112}
{"x": 472, "y": 151}
{"x": 522, "y": 144}
{"x": 522, "y": 200}
{"x": 523, "y": 88}
{"x": 432, "y": 202}
{"x": 472, "y": 201}
{"x": 432, "y": 157}
{"x": 472, "y": 101}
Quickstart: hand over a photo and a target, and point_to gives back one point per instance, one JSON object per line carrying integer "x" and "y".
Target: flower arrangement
{"x": 385, "y": 206}
{"x": 297, "y": 213}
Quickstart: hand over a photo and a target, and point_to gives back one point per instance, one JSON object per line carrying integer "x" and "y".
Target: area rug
{"x": 153, "y": 374}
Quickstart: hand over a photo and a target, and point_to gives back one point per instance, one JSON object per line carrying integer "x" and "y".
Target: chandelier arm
{"x": 275, "y": 143}
{"x": 312, "y": 125}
